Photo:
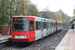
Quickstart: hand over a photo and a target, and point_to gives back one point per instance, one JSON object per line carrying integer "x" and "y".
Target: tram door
{"x": 32, "y": 28}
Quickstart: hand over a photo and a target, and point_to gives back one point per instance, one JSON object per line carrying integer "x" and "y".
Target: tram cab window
{"x": 31, "y": 25}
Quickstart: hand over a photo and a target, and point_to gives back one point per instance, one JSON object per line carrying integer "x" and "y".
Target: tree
{"x": 0, "y": 13}
{"x": 66, "y": 18}
{"x": 5, "y": 12}
{"x": 59, "y": 17}
{"x": 32, "y": 10}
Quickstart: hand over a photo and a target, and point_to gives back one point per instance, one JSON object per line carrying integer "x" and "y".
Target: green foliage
{"x": 32, "y": 10}
{"x": 62, "y": 13}
{"x": 39, "y": 15}
{"x": 4, "y": 12}
{"x": 66, "y": 18}
{"x": 59, "y": 16}
{"x": 24, "y": 7}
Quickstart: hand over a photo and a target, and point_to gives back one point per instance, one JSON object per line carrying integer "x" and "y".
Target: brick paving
{"x": 71, "y": 41}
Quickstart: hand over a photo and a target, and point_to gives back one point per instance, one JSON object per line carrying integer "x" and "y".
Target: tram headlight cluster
{"x": 25, "y": 37}
{"x": 13, "y": 36}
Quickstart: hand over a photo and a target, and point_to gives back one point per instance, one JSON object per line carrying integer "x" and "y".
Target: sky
{"x": 66, "y": 6}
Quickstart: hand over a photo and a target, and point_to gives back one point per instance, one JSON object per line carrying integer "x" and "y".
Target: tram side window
{"x": 38, "y": 25}
{"x": 44, "y": 25}
{"x": 41, "y": 25}
{"x": 58, "y": 24}
{"x": 31, "y": 25}
{"x": 61, "y": 24}
{"x": 51, "y": 25}
{"x": 47, "y": 24}
{"x": 54, "y": 24}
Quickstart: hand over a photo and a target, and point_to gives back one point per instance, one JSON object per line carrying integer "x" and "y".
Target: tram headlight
{"x": 13, "y": 36}
{"x": 26, "y": 37}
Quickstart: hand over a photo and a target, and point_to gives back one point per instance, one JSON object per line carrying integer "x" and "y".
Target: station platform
{"x": 4, "y": 38}
{"x": 68, "y": 42}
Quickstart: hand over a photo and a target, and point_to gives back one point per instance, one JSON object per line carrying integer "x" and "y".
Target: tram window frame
{"x": 51, "y": 24}
{"x": 38, "y": 25}
{"x": 44, "y": 25}
{"x": 41, "y": 25}
{"x": 47, "y": 25}
{"x": 32, "y": 26}
{"x": 55, "y": 24}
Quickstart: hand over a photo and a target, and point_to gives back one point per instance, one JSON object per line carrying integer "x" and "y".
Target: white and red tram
{"x": 32, "y": 28}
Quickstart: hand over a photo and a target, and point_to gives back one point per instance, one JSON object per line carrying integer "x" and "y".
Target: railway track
{"x": 52, "y": 39}
{"x": 37, "y": 45}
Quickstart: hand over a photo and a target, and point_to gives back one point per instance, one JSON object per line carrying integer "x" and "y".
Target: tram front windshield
{"x": 20, "y": 24}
